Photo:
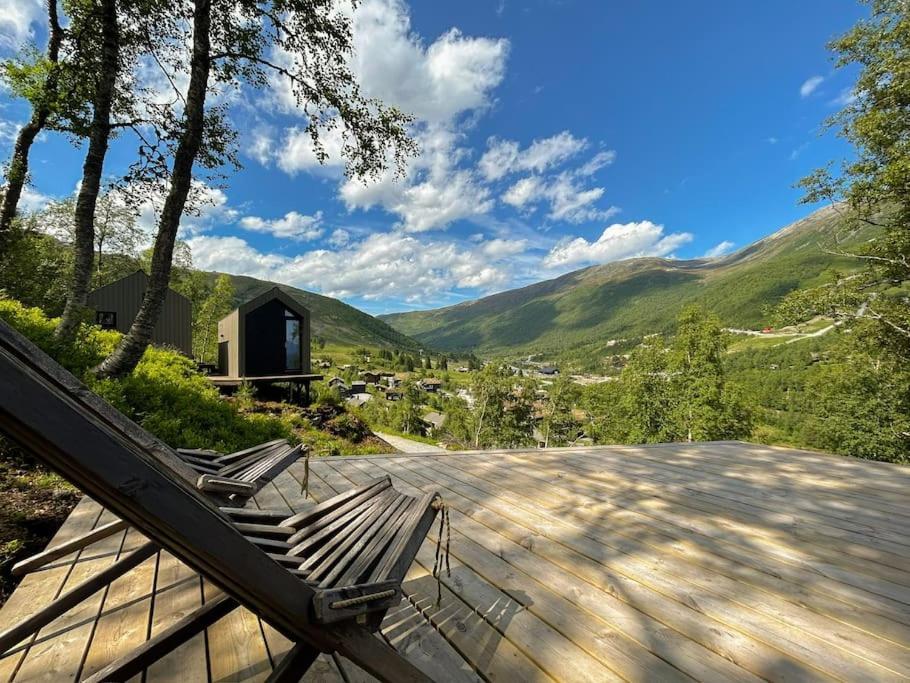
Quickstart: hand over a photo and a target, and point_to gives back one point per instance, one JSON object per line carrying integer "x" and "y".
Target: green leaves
{"x": 675, "y": 392}
{"x": 874, "y": 186}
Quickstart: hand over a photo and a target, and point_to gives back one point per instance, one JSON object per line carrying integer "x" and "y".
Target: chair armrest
{"x": 210, "y": 483}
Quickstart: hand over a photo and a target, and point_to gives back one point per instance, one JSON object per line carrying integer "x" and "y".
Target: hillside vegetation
{"x": 576, "y": 315}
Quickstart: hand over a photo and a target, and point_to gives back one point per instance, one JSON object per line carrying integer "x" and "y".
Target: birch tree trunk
{"x": 133, "y": 345}
{"x": 18, "y": 166}
{"x": 92, "y": 169}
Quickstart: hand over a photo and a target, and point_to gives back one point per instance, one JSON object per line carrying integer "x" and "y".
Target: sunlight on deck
{"x": 707, "y": 561}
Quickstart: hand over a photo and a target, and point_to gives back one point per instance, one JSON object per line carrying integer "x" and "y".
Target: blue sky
{"x": 553, "y": 134}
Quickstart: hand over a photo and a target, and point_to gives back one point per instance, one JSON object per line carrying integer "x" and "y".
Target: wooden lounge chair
{"x": 324, "y": 577}
{"x": 231, "y": 479}
{"x": 238, "y": 476}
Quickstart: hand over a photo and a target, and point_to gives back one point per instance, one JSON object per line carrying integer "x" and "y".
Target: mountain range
{"x": 582, "y": 313}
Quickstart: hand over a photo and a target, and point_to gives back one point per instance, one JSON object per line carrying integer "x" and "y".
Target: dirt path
{"x": 407, "y": 445}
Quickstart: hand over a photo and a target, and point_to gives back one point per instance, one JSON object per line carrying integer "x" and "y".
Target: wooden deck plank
{"x": 472, "y": 632}
{"x": 632, "y": 657}
{"x": 40, "y": 587}
{"x": 791, "y": 613}
{"x": 845, "y": 555}
{"x": 714, "y": 636}
{"x": 837, "y": 498}
{"x": 59, "y": 648}
{"x": 634, "y": 520}
{"x": 124, "y": 620}
{"x": 236, "y": 645}
{"x": 751, "y": 497}
{"x": 758, "y": 625}
{"x": 712, "y": 518}
{"x": 540, "y": 494}
{"x": 614, "y": 598}
{"x": 178, "y": 593}
{"x": 540, "y": 631}
{"x": 802, "y": 587}
{"x": 720, "y": 561}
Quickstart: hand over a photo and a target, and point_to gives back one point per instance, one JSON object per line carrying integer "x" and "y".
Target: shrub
{"x": 348, "y": 426}
{"x": 88, "y": 348}
{"x": 165, "y": 394}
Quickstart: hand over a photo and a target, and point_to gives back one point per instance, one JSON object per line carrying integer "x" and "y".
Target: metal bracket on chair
{"x": 337, "y": 604}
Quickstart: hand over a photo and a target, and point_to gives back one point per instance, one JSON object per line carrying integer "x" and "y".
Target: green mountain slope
{"x": 576, "y": 315}
{"x": 335, "y": 321}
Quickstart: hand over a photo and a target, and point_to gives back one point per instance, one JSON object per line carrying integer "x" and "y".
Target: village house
{"x": 369, "y": 376}
{"x": 434, "y": 420}
{"x": 430, "y": 384}
{"x": 340, "y": 385}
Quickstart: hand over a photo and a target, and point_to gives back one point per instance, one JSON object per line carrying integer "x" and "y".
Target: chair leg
{"x": 294, "y": 665}
{"x": 30, "y": 564}
{"x": 73, "y": 597}
{"x": 168, "y": 640}
{"x": 376, "y": 657}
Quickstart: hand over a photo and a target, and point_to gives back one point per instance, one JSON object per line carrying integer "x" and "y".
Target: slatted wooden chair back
{"x": 236, "y": 477}
{"x": 54, "y": 417}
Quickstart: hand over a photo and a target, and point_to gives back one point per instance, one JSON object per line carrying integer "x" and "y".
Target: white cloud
{"x": 504, "y": 156}
{"x": 772, "y": 140}
{"x": 383, "y": 266}
{"x": 618, "y": 241}
{"x": 208, "y": 207}
{"x": 298, "y": 154}
{"x": 500, "y": 248}
{"x": 569, "y": 201}
{"x": 523, "y": 192}
{"x": 339, "y": 238}
{"x": 597, "y": 162}
{"x": 32, "y": 200}
{"x": 292, "y": 225}
{"x": 232, "y": 255}
{"x": 9, "y": 130}
{"x": 435, "y": 192}
{"x": 810, "y": 85}
{"x": 719, "y": 249}
{"x": 435, "y": 83}
{"x": 16, "y": 21}
{"x": 846, "y": 97}
{"x": 262, "y": 145}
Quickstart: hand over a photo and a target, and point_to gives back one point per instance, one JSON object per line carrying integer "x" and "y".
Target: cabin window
{"x": 292, "y": 341}
{"x": 107, "y": 320}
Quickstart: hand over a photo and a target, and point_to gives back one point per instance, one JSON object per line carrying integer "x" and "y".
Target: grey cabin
{"x": 266, "y": 338}
{"x": 117, "y": 303}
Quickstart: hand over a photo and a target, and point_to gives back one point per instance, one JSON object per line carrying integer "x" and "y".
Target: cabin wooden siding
{"x": 229, "y": 333}
{"x": 124, "y": 297}
{"x": 233, "y": 330}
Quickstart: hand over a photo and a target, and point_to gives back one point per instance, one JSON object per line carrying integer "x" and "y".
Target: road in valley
{"x": 408, "y": 445}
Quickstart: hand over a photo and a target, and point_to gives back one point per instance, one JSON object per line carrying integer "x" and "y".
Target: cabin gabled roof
{"x": 138, "y": 274}
{"x": 270, "y": 294}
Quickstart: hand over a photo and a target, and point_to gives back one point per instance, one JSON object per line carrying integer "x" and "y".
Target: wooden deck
{"x": 708, "y": 561}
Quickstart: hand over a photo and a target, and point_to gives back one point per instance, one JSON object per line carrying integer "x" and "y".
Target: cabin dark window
{"x": 106, "y": 319}
{"x": 292, "y": 341}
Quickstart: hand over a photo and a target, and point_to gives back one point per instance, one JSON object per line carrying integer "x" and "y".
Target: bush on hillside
{"x": 164, "y": 393}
